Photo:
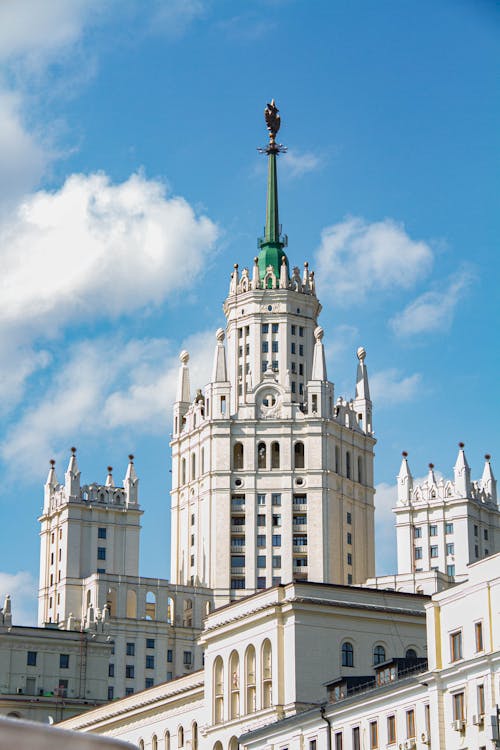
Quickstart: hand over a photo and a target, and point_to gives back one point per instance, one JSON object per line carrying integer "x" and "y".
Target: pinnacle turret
{"x": 72, "y": 476}
{"x": 52, "y": 480}
{"x": 183, "y": 388}
{"x": 219, "y": 372}
{"x": 109, "y": 477}
{"x": 131, "y": 483}
{"x": 488, "y": 481}
{"x": 319, "y": 362}
{"x": 405, "y": 481}
{"x": 461, "y": 472}
{"x": 362, "y": 400}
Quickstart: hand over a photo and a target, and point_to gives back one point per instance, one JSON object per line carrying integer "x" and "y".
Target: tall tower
{"x": 272, "y": 479}
{"x": 84, "y": 530}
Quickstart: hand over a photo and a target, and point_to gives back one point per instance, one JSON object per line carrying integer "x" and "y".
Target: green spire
{"x": 272, "y": 244}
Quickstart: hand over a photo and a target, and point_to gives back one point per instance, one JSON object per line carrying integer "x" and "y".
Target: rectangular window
{"x": 478, "y": 632}
{"x": 276, "y": 498}
{"x": 300, "y": 499}
{"x": 276, "y": 519}
{"x": 294, "y": 330}
{"x": 434, "y": 551}
{"x": 338, "y": 741}
{"x": 31, "y": 658}
{"x": 111, "y": 693}
{"x": 486, "y": 535}
{"x": 301, "y": 331}
{"x": 111, "y": 670}
{"x": 276, "y": 540}
{"x": 418, "y": 532}
{"x": 237, "y": 561}
{"x": 349, "y": 579}
{"x": 275, "y": 347}
{"x": 301, "y": 369}
{"x": 101, "y": 553}
{"x": 410, "y": 724}
{"x": 456, "y": 645}
{"x": 261, "y": 582}
{"x": 261, "y": 520}
{"x": 294, "y": 386}
{"x": 301, "y": 389}
{"x": 349, "y": 518}
{"x": 312, "y": 744}
{"x": 373, "y": 735}
{"x": 292, "y": 347}
{"x": 349, "y": 558}
{"x": 274, "y": 327}
{"x": 148, "y": 683}
{"x": 450, "y": 571}
{"x": 301, "y": 350}
{"x": 450, "y": 548}
{"x": 349, "y": 537}
{"x": 187, "y": 658}
{"x": 448, "y": 528}
{"x": 356, "y": 744}
{"x": 129, "y": 671}
{"x": 150, "y": 661}
{"x": 99, "y": 570}
{"x": 264, "y": 365}
{"x": 476, "y": 550}
{"x": 476, "y": 530}
{"x": 101, "y": 532}
{"x": 170, "y": 655}
{"x": 294, "y": 367}
{"x": 265, "y": 327}
{"x": 129, "y": 691}
{"x": 130, "y": 649}
{"x": 433, "y": 530}
{"x": 458, "y": 707}
{"x": 261, "y": 540}
{"x": 261, "y": 561}
{"x": 276, "y": 580}
{"x": 418, "y": 553}
{"x": 261, "y": 499}
{"x": 480, "y": 700}
{"x": 276, "y": 561}
{"x": 265, "y": 347}
{"x": 237, "y": 583}
{"x": 170, "y": 675}
{"x": 63, "y": 661}
{"x": 391, "y": 730}
{"x": 192, "y": 519}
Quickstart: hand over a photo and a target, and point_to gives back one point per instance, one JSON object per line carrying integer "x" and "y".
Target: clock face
{"x": 269, "y": 402}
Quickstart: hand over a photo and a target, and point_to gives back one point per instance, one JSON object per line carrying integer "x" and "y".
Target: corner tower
{"x": 272, "y": 478}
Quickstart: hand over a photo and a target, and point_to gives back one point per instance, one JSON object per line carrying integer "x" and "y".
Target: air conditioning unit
{"x": 478, "y": 720}
{"x": 458, "y": 725}
{"x": 19, "y": 691}
{"x": 425, "y": 738}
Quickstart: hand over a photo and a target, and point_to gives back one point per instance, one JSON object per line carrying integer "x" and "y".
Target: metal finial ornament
{"x": 273, "y": 124}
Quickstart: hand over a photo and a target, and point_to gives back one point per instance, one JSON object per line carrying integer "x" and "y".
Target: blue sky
{"x": 130, "y": 183}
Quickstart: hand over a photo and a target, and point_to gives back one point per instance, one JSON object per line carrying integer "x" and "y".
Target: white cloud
{"x": 434, "y": 310}
{"x": 385, "y": 529}
{"x": 296, "y": 164}
{"x": 355, "y": 258}
{"x": 172, "y": 17}
{"x": 22, "y": 588}
{"x": 390, "y": 387}
{"x": 109, "y": 383}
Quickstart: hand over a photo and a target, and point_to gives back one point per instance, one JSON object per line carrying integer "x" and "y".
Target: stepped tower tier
{"x": 272, "y": 477}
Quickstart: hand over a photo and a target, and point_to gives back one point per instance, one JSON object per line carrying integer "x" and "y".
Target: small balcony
{"x": 237, "y": 528}
{"x": 302, "y": 548}
{"x": 299, "y": 527}
{"x": 299, "y": 506}
{"x": 237, "y": 571}
{"x": 238, "y": 548}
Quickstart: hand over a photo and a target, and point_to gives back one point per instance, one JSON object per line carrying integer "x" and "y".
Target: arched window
{"x": 154, "y": 742}
{"x": 250, "y": 682}
{"x": 183, "y": 471}
{"x": 218, "y": 690}
{"x": 193, "y": 466}
{"x": 348, "y": 464}
{"x": 180, "y": 737}
{"x": 166, "y": 740}
{"x": 261, "y": 456}
{"x": 234, "y": 686}
{"x": 238, "y": 456}
{"x": 218, "y": 745}
{"x": 233, "y": 743}
{"x": 131, "y": 603}
{"x": 347, "y": 654}
{"x": 410, "y": 653}
{"x": 298, "y": 452}
{"x": 194, "y": 736}
{"x": 170, "y": 611}
{"x": 378, "y": 654}
{"x": 111, "y": 600}
{"x": 275, "y": 455}
{"x": 267, "y": 675}
{"x": 360, "y": 470}
{"x": 150, "y": 606}
{"x": 141, "y": 744}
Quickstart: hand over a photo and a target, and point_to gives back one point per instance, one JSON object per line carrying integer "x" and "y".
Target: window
{"x": 276, "y": 519}
{"x": 410, "y": 653}
{"x": 448, "y": 529}
{"x": 292, "y": 347}
{"x": 391, "y": 729}
{"x": 192, "y": 519}
{"x": 265, "y": 347}
{"x": 478, "y": 632}
{"x": 237, "y": 583}
{"x": 261, "y": 540}
{"x": 187, "y": 658}
{"x": 276, "y": 498}
{"x": 261, "y": 561}
{"x": 433, "y": 530}
{"x": 298, "y": 452}
{"x": 373, "y": 735}
{"x": 261, "y": 499}
{"x": 450, "y": 548}
{"x": 312, "y": 744}
{"x": 130, "y": 649}
{"x": 301, "y": 350}
{"x": 64, "y": 661}
{"x": 349, "y": 579}
{"x": 434, "y": 551}
{"x": 486, "y": 535}
{"x": 148, "y": 683}
{"x": 275, "y": 455}
{"x": 265, "y": 327}
{"x": 476, "y": 550}
{"x": 261, "y": 582}
{"x": 31, "y": 658}
{"x": 476, "y": 531}
{"x": 378, "y": 654}
{"x": 101, "y": 532}
{"x": 456, "y": 645}
{"x": 349, "y": 518}
{"x": 300, "y": 499}
{"x": 130, "y": 691}
{"x": 276, "y": 580}
{"x": 101, "y": 553}
{"x": 347, "y": 654}
{"x": 276, "y": 561}
{"x": 99, "y": 570}
{"x": 238, "y": 456}
{"x": 458, "y": 707}
{"x": 410, "y": 724}
{"x": 480, "y": 700}
{"x": 450, "y": 571}
{"x": 338, "y": 741}
{"x": 111, "y": 670}
{"x": 237, "y": 561}
{"x": 274, "y": 327}
{"x": 170, "y": 655}
{"x": 294, "y": 330}
{"x": 356, "y": 744}
{"x": 180, "y": 737}
{"x": 418, "y": 532}
{"x": 261, "y": 456}
{"x": 261, "y": 520}
{"x": 349, "y": 537}
{"x": 111, "y": 693}
{"x": 276, "y": 540}
{"x": 275, "y": 347}
{"x": 349, "y": 558}
{"x": 150, "y": 661}
{"x": 129, "y": 671}
{"x": 418, "y": 553}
